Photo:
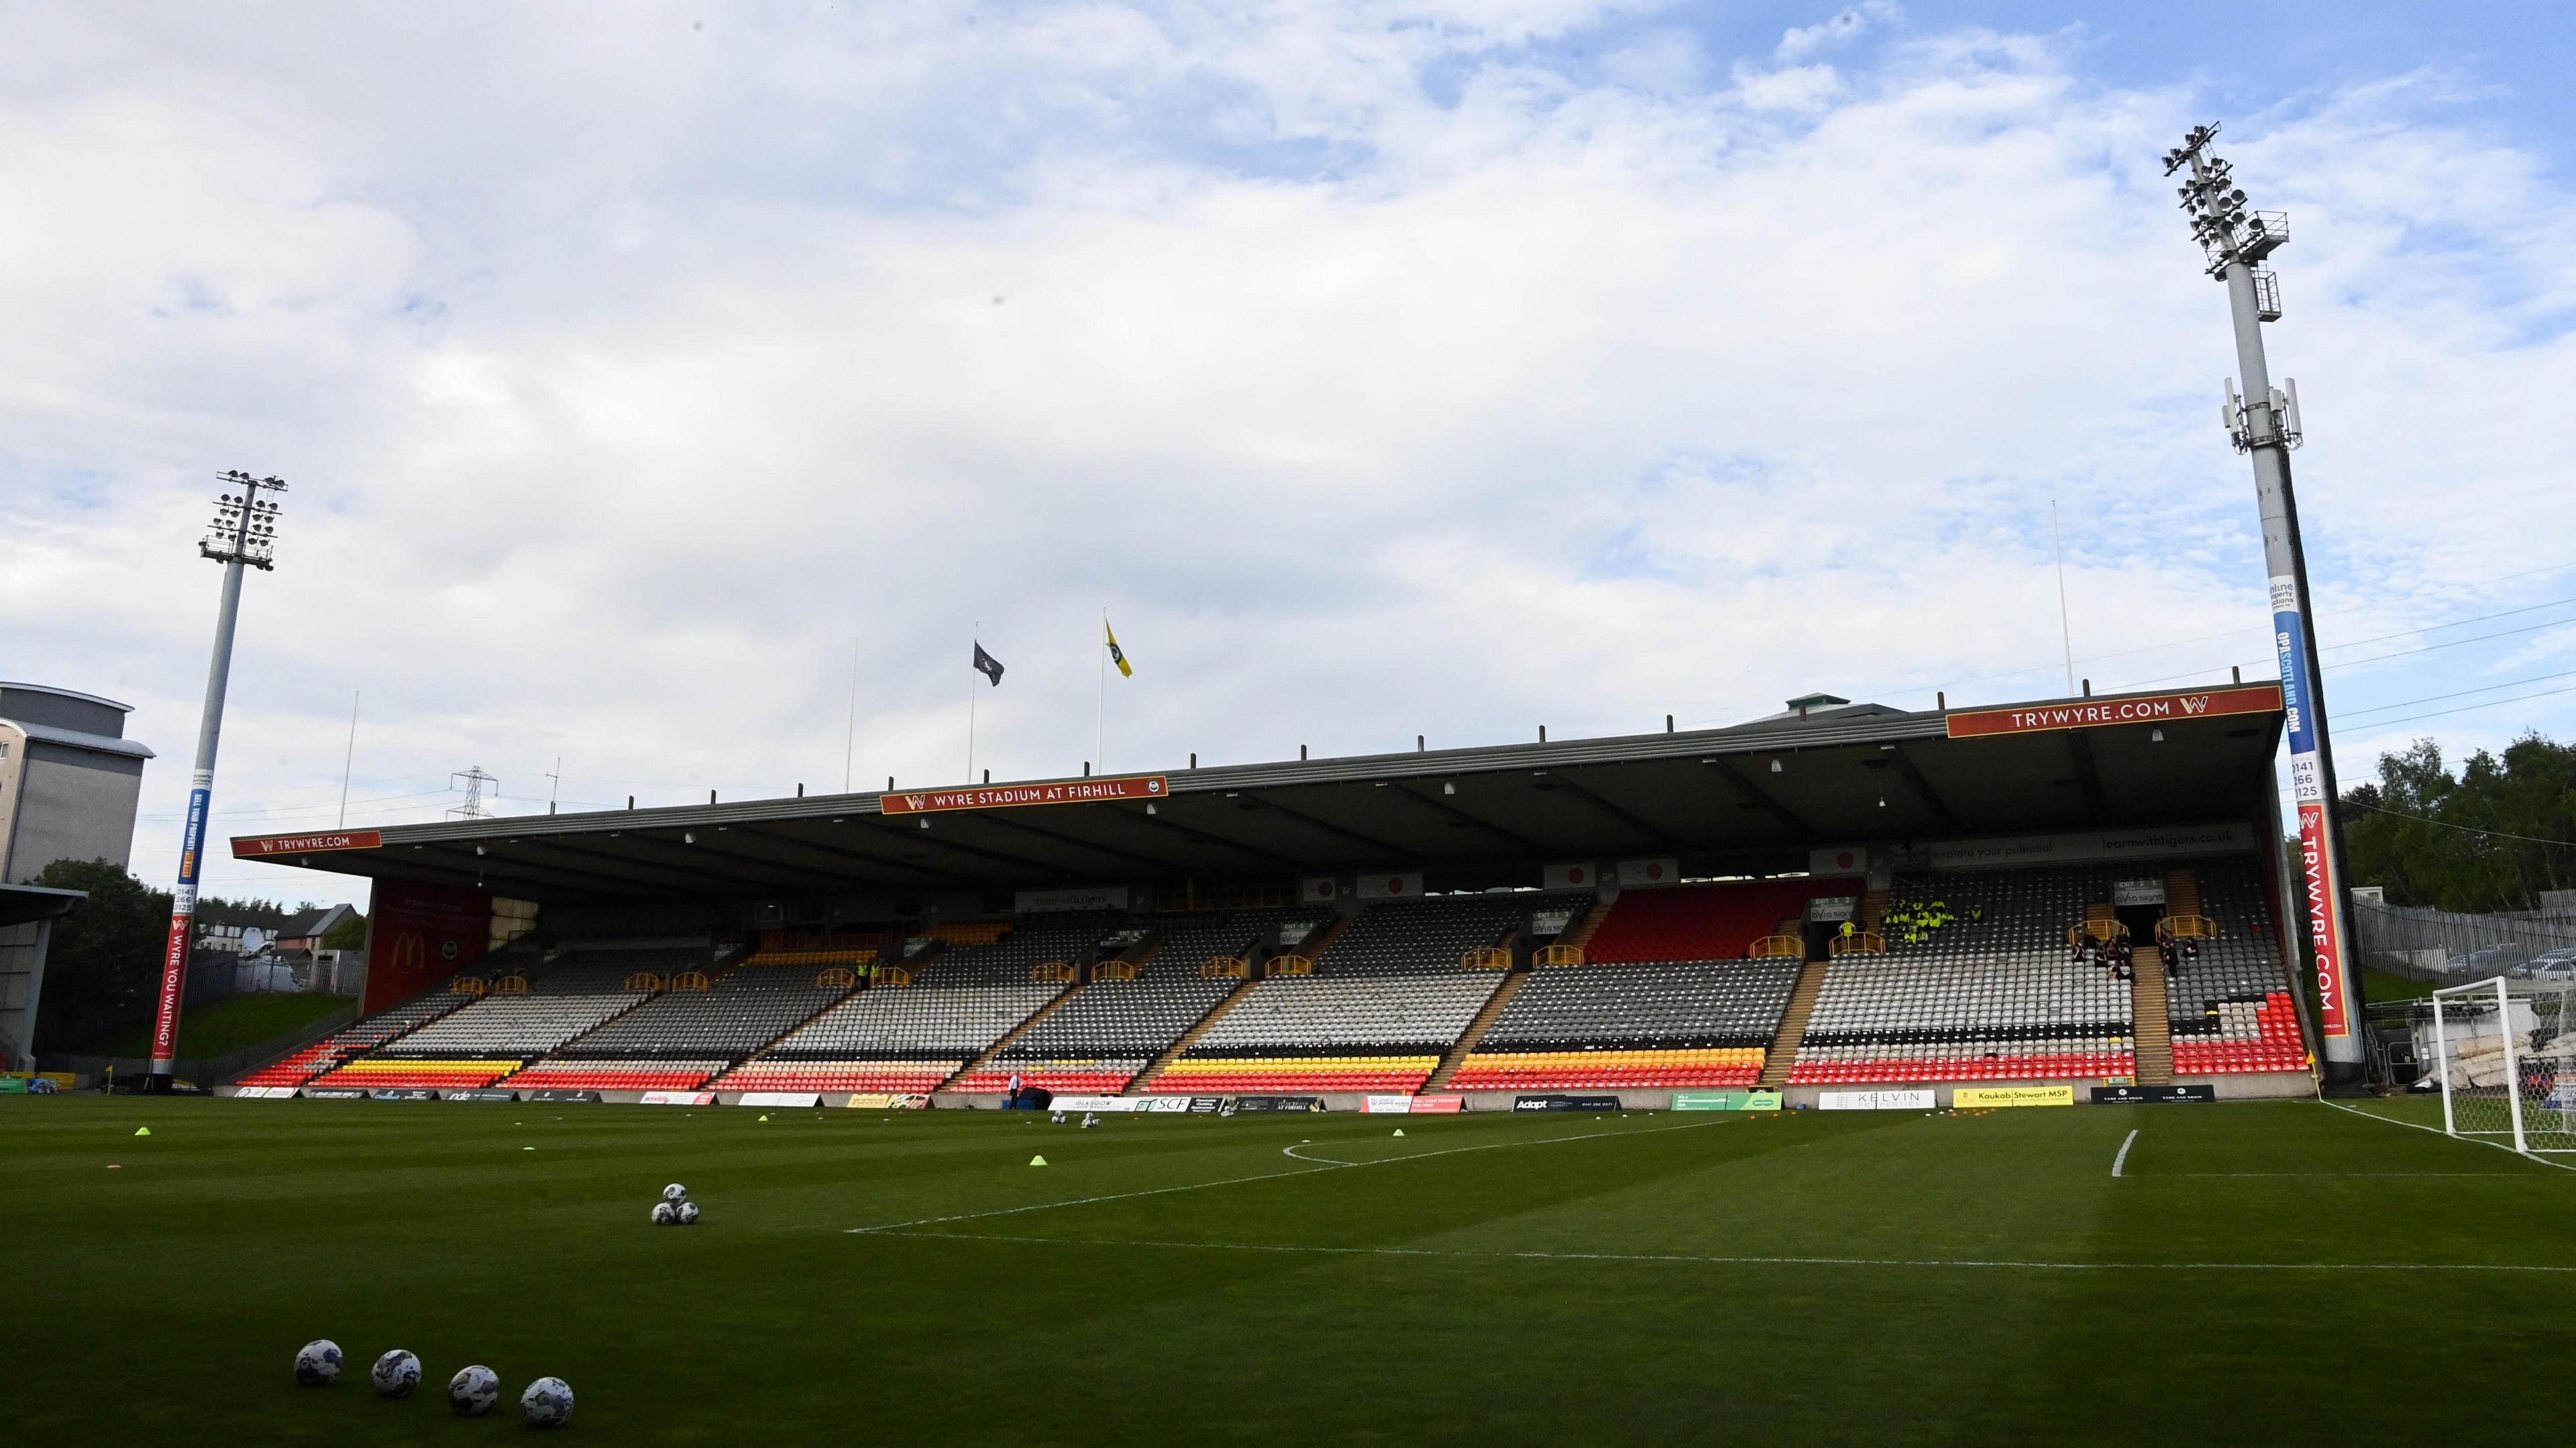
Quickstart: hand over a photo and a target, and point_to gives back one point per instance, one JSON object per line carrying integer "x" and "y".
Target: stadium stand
{"x": 1701, "y": 922}
{"x": 1666, "y": 997}
{"x": 1098, "y": 1041}
{"x": 356, "y": 1038}
{"x": 1634, "y": 1026}
{"x": 2230, "y": 1003}
{"x": 485, "y": 1041}
{"x": 892, "y": 1038}
{"x": 593, "y": 1075}
{"x": 1387, "y": 1002}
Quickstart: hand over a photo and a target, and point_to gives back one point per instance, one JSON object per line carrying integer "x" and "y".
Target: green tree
{"x": 349, "y": 934}
{"x": 104, "y": 966}
{"x": 2491, "y": 837}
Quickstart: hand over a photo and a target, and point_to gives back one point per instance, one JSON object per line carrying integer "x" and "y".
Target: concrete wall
{"x": 68, "y": 804}
{"x": 22, "y": 978}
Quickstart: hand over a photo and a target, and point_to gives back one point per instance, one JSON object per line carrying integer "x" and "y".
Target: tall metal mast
{"x": 243, "y": 534}
{"x": 2264, "y": 422}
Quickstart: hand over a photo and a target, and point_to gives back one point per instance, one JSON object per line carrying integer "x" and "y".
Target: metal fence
{"x": 2448, "y": 947}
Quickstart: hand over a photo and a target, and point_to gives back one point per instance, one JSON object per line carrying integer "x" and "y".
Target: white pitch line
{"x": 2122, "y": 1160}
{"x": 2415, "y": 1126}
{"x": 1738, "y": 1261}
{"x": 1321, "y": 1164}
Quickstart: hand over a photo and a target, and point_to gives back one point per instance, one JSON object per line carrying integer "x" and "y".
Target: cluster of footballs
{"x": 545, "y": 1403}
{"x": 675, "y": 1209}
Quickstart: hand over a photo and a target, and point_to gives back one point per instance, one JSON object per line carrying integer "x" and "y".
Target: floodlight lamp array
{"x": 244, "y": 528}
{"x": 2221, "y": 221}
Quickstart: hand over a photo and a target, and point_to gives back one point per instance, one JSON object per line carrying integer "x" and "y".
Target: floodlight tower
{"x": 243, "y": 535}
{"x": 2264, "y": 421}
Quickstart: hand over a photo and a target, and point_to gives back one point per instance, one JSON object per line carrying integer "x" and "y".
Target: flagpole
{"x": 849, "y": 740}
{"x": 970, "y": 709}
{"x": 1100, "y": 714}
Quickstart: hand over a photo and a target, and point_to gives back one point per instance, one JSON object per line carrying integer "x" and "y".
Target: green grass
{"x": 2262, "y": 1273}
{"x": 234, "y": 1023}
{"x": 2379, "y": 985}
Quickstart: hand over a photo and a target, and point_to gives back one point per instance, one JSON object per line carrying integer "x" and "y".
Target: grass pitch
{"x": 2257, "y": 1273}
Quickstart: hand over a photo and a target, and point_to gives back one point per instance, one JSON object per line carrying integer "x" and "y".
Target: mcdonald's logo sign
{"x": 410, "y": 953}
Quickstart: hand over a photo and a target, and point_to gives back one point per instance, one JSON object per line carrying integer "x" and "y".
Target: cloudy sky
{"x": 1449, "y": 368}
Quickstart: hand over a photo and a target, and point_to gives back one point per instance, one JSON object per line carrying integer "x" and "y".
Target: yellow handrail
{"x": 510, "y": 985}
{"x": 1221, "y": 967}
{"x": 1063, "y": 970}
{"x": 1781, "y": 947}
{"x": 1288, "y": 965}
{"x": 2188, "y": 927}
{"x": 1114, "y": 970}
{"x": 1859, "y": 942}
{"x": 1486, "y": 957}
{"x": 691, "y": 980}
{"x": 839, "y": 977}
{"x": 1557, "y": 955}
{"x": 643, "y": 980}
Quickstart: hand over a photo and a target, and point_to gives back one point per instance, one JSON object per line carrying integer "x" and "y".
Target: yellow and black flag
{"x": 1117, "y": 655}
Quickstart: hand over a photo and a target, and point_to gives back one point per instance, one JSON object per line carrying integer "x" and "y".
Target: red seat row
{"x": 1485, "y": 1078}
{"x": 1301, "y": 1083}
{"x": 1076, "y": 1083}
{"x": 2000, "y": 1068}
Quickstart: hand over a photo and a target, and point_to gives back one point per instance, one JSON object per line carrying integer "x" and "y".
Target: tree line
{"x": 2488, "y": 836}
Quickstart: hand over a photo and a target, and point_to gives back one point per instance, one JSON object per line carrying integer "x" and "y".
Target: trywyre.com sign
{"x": 2096, "y": 713}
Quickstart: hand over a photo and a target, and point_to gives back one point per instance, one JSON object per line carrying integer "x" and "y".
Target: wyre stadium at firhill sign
{"x": 1008, "y": 796}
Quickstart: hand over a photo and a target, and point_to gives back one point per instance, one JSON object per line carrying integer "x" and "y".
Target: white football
{"x": 675, "y": 1193}
{"x": 664, "y": 1214}
{"x": 546, "y": 1403}
{"x": 395, "y": 1374}
{"x": 317, "y": 1363}
{"x": 688, "y": 1214}
{"x": 473, "y": 1391}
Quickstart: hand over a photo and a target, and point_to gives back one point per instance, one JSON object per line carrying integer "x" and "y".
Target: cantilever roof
{"x": 1765, "y": 791}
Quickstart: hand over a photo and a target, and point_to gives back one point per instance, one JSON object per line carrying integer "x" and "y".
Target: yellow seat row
{"x": 1303, "y": 1063}
{"x": 1706, "y": 1056}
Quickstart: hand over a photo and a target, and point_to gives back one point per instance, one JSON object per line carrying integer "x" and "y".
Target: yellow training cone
{"x": 1037, "y": 1161}
{"x": 143, "y": 1131}
{"x": 1399, "y": 1131}
{"x": 764, "y": 1118}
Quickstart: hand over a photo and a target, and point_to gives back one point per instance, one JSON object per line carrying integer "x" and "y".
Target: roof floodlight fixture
{"x": 2263, "y": 422}
{"x": 242, "y": 534}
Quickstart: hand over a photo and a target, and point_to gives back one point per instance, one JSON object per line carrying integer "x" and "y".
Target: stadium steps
{"x": 1873, "y": 908}
{"x": 1793, "y": 1026}
{"x": 1580, "y": 933}
{"x": 1189, "y": 1038}
{"x": 1013, "y": 1034}
{"x": 2154, "y": 1038}
{"x": 1476, "y": 1029}
{"x": 1314, "y": 948}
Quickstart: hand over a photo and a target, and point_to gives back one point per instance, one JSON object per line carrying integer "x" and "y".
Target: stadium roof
{"x": 1734, "y": 800}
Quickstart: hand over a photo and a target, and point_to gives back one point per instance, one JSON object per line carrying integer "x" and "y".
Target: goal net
{"x": 2505, "y": 1053}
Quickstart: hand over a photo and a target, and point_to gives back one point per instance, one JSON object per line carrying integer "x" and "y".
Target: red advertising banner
{"x": 1011, "y": 796}
{"x": 2325, "y": 932}
{"x": 419, "y": 935}
{"x": 252, "y": 847}
{"x": 2092, "y": 714}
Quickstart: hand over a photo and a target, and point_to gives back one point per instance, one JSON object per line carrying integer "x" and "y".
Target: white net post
{"x": 2505, "y": 1054}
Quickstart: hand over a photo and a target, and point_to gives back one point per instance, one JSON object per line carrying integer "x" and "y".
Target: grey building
{"x": 69, "y": 780}
{"x": 27, "y": 916}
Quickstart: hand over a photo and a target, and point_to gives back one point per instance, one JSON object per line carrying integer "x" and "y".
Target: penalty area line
{"x": 2120, "y": 1163}
{"x": 2417, "y": 1126}
{"x": 1701, "y": 1259}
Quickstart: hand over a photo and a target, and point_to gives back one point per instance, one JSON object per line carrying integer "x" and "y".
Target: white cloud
{"x": 627, "y": 380}
{"x": 1841, "y": 28}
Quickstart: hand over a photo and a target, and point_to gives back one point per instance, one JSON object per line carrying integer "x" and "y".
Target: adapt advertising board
{"x": 1986, "y": 1098}
{"x": 2152, "y": 1095}
{"x": 766, "y": 1098}
{"x": 1279, "y": 1103}
{"x": 678, "y": 1098}
{"x": 403, "y": 1093}
{"x": 1914, "y": 1100}
{"x": 482, "y": 1093}
{"x": 564, "y": 1098}
{"x": 334, "y": 1093}
{"x": 1557, "y": 1101}
{"x": 1726, "y": 1101}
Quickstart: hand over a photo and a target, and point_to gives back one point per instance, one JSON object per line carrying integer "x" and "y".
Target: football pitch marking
{"x": 2416, "y": 1126}
{"x": 1321, "y": 1164}
{"x": 2120, "y": 1162}
{"x": 1701, "y": 1259}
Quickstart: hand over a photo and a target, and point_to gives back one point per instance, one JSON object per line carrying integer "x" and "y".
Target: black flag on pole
{"x": 987, "y": 665}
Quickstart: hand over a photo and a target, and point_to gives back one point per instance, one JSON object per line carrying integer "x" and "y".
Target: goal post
{"x": 2505, "y": 1054}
